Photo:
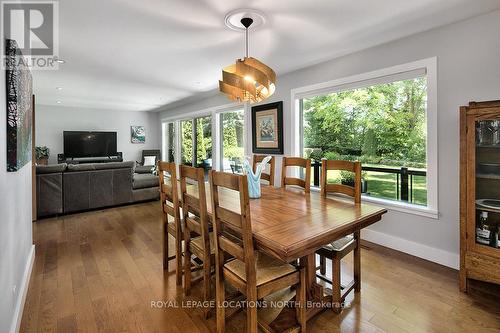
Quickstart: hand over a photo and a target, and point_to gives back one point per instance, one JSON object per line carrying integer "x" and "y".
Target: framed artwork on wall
{"x": 267, "y": 128}
{"x": 137, "y": 134}
{"x": 19, "y": 84}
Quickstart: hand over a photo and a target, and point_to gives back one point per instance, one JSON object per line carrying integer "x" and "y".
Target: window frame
{"x": 385, "y": 75}
{"x": 165, "y": 141}
{"x": 221, "y": 133}
{"x": 215, "y": 113}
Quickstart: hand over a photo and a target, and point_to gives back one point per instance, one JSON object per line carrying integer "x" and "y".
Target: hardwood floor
{"x": 100, "y": 272}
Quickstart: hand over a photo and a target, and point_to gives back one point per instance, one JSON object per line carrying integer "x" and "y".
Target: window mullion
{"x": 194, "y": 142}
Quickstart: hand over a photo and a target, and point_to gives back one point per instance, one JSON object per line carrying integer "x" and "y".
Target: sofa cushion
{"x": 49, "y": 194}
{"x": 145, "y": 194}
{"x": 144, "y": 169}
{"x": 122, "y": 186}
{"x": 76, "y": 191}
{"x": 52, "y": 168}
{"x": 145, "y": 181}
{"x": 114, "y": 165}
{"x": 117, "y": 165}
{"x": 101, "y": 188}
{"x": 80, "y": 167}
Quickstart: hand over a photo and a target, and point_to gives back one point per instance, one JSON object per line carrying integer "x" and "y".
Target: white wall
{"x": 16, "y": 248}
{"x": 468, "y": 70}
{"x": 51, "y": 121}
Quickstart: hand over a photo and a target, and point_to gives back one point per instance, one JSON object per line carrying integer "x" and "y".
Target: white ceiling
{"x": 142, "y": 54}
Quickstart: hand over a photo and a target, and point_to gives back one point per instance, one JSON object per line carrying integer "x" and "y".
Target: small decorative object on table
{"x": 42, "y": 155}
{"x": 254, "y": 178}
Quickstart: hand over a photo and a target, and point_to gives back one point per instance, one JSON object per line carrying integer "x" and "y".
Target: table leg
{"x": 305, "y": 262}
{"x": 315, "y": 292}
{"x": 309, "y": 262}
{"x": 357, "y": 262}
{"x": 315, "y": 298}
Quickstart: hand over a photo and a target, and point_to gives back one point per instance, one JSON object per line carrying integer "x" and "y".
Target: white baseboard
{"x": 23, "y": 291}
{"x": 442, "y": 257}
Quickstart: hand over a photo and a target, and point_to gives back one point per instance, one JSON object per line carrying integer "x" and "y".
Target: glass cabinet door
{"x": 487, "y": 182}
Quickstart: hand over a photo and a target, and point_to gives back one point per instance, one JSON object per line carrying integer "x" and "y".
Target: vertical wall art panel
{"x": 19, "y": 107}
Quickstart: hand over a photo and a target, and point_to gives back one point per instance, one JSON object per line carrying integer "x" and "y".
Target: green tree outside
{"x": 382, "y": 125}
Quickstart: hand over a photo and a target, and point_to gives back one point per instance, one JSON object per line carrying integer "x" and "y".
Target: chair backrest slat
{"x": 340, "y": 165}
{"x": 169, "y": 210}
{"x": 264, "y": 175}
{"x": 231, "y": 219}
{"x": 166, "y": 189}
{"x": 167, "y": 173}
{"x": 352, "y": 191}
{"x": 221, "y": 179}
{"x": 340, "y": 188}
{"x": 225, "y": 220}
{"x": 295, "y": 181}
{"x": 192, "y": 202}
{"x": 192, "y": 205}
{"x": 231, "y": 247}
{"x": 193, "y": 225}
{"x": 189, "y": 172}
{"x": 296, "y": 162}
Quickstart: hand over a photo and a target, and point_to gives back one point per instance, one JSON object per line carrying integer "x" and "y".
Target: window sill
{"x": 398, "y": 206}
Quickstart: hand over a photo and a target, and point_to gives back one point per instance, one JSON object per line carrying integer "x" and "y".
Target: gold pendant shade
{"x": 249, "y": 80}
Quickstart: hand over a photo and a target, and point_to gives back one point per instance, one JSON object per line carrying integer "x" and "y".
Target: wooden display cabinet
{"x": 479, "y": 192}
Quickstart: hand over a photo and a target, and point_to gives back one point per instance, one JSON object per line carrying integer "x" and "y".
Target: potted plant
{"x": 42, "y": 155}
{"x": 347, "y": 178}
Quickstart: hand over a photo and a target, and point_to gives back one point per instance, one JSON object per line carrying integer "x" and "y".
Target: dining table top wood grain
{"x": 291, "y": 224}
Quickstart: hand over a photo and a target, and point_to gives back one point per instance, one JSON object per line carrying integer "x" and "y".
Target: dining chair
{"x": 253, "y": 273}
{"x": 296, "y": 162}
{"x": 338, "y": 249}
{"x": 171, "y": 216}
{"x": 198, "y": 239}
{"x": 266, "y": 176}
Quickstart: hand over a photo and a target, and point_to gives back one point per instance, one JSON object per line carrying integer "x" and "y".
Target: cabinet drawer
{"x": 482, "y": 267}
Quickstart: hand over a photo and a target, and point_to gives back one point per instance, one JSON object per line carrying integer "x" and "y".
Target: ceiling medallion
{"x": 249, "y": 80}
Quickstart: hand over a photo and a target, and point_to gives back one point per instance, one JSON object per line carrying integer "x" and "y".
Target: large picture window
{"x": 383, "y": 126}
{"x": 381, "y": 119}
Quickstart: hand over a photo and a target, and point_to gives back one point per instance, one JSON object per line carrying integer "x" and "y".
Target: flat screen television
{"x": 89, "y": 144}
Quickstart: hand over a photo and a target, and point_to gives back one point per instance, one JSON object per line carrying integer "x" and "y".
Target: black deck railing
{"x": 404, "y": 178}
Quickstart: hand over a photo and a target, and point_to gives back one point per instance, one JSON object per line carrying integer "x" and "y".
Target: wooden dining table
{"x": 290, "y": 224}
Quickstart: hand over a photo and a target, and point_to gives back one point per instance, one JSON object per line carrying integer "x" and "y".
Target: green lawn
{"x": 383, "y": 185}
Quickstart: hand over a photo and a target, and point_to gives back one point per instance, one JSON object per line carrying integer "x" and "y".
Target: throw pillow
{"x": 149, "y": 160}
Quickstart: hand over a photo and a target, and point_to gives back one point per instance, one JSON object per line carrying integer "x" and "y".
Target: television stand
{"x": 95, "y": 159}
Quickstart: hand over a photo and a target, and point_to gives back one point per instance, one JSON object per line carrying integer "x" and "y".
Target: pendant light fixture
{"x": 248, "y": 80}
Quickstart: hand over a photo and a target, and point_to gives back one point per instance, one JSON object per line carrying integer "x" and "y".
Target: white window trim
{"x": 214, "y": 112}
{"x": 370, "y": 78}
{"x": 164, "y": 141}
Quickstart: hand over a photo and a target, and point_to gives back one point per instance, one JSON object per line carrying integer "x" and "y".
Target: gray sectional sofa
{"x": 63, "y": 188}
